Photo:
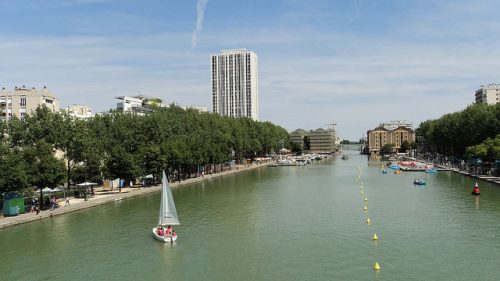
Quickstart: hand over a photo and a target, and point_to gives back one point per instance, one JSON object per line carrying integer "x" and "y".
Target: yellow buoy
{"x": 365, "y": 208}
{"x": 376, "y": 266}
{"x": 362, "y": 193}
{"x": 375, "y": 237}
{"x": 366, "y": 199}
{"x": 368, "y": 221}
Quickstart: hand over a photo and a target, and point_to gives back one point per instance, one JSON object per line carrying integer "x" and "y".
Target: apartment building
{"x": 79, "y": 111}
{"x": 139, "y": 105}
{"x": 23, "y": 100}
{"x": 317, "y": 141}
{"x": 235, "y": 86}
{"x": 488, "y": 94}
{"x": 394, "y": 132}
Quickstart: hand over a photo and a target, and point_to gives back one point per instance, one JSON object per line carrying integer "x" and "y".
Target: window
{"x": 22, "y": 101}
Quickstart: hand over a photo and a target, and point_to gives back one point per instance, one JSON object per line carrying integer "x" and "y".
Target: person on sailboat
{"x": 168, "y": 231}
{"x": 160, "y": 231}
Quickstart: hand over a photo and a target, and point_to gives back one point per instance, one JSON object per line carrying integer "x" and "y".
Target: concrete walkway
{"x": 104, "y": 196}
{"x": 482, "y": 177}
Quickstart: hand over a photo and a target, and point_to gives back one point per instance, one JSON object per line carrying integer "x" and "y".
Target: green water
{"x": 287, "y": 223}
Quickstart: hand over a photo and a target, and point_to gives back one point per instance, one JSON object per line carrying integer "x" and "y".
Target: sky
{"x": 355, "y": 63}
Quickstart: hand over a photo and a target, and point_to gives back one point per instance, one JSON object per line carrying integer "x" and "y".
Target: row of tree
{"x": 47, "y": 148}
{"x": 488, "y": 150}
{"x": 454, "y": 133}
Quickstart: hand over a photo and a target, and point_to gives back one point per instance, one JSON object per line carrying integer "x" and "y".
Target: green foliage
{"x": 413, "y": 145}
{"x": 453, "y": 133}
{"x": 126, "y": 146}
{"x": 296, "y": 149}
{"x": 488, "y": 150}
{"x": 12, "y": 170}
{"x": 405, "y": 146}
{"x": 387, "y": 148}
{"x": 44, "y": 169}
{"x": 345, "y": 142}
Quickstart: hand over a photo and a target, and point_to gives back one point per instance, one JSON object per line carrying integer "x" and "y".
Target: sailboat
{"x": 168, "y": 214}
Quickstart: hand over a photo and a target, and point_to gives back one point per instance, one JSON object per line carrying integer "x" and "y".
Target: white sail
{"x": 168, "y": 214}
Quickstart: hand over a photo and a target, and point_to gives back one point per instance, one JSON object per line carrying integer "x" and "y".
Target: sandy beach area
{"x": 103, "y": 196}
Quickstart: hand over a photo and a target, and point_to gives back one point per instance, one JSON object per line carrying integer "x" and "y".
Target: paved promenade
{"x": 104, "y": 196}
{"x": 456, "y": 170}
{"x": 482, "y": 177}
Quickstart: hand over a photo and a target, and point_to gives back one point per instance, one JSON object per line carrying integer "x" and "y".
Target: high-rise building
{"x": 23, "y": 101}
{"x": 488, "y": 94}
{"x": 235, "y": 83}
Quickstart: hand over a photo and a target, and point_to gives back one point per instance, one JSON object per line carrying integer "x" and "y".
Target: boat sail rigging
{"x": 167, "y": 216}
{"x": 168, "y": 213}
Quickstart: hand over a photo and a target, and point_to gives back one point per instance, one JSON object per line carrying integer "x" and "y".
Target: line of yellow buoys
{"x": 364, "y": 196}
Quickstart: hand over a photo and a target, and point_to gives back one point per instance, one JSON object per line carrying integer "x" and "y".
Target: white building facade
{"x": 235, "y": 83}
{"x": 488, "y": 94}
{"x": 79, "y": 111}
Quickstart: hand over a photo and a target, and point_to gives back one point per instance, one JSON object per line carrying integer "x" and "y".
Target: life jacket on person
{"x": 160, "y": 231}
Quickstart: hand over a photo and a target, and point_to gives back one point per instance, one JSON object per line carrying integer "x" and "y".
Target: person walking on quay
{"x": 52, "y": 203}
{"x": 67, "y": 202}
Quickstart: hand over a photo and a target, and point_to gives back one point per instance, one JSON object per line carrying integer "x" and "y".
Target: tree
{"x": 12, "y": 170}
{"x": 44, "y": 169}
{"x": 121, "y": 164}
{"x": 387, "y": 148}
{"x": 296, "y": 148}
{"x": 488, "y": 150}
{"x": 454, "y": 132}
{"x": 405, "y": 146}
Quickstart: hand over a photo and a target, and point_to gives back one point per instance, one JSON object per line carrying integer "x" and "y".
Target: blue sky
{"x": 354, "y": 62}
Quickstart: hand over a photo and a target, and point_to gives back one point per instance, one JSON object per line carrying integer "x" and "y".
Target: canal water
{"x": 284, "y": 223}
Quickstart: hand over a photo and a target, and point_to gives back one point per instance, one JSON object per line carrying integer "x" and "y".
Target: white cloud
{"x": 417, "y": 69}
{"x": 200, "y": 14}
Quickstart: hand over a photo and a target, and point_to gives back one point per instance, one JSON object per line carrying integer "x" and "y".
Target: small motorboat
{"x": 397, "y": 172}
{"x": 476, "y": 190}
{"x": 431, "y": 171}
{"x": 384, "y": 172}
{"x": 419, "y": 182}
{"x": 345, "y": 157}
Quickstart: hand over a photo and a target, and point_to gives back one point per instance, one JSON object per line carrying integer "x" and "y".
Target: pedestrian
{"x": 33, "y": 205}
{"x": 67, "y": 202}
{"x": 53, "y": 203}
